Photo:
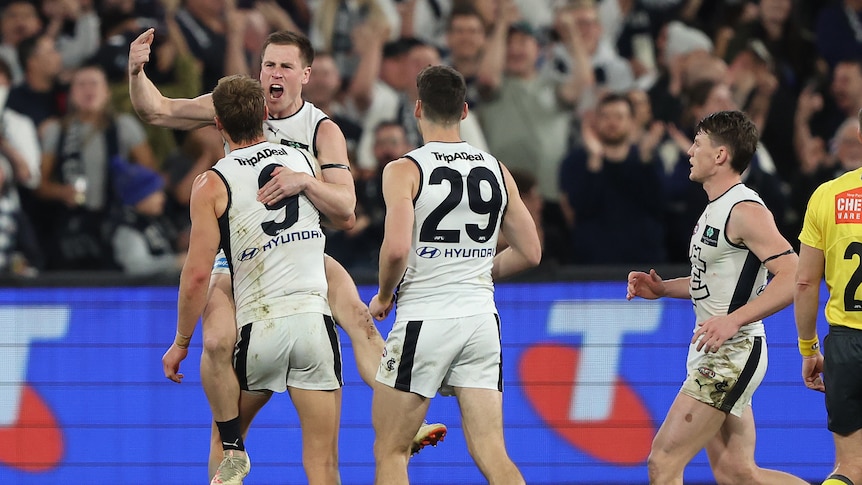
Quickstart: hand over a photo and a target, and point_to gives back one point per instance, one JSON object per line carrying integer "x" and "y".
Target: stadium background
{"x": 588, "y": 378}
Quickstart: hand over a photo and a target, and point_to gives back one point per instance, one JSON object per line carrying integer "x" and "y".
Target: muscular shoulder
{"x": 327, "y": 132}
{"x": 330, "y": 144}
{"x": 209, "y": 189}
{"x": 401, "y": 174}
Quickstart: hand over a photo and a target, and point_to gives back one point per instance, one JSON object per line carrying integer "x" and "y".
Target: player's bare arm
{"x": 806, "y": 306}
{"x": 806, "y": 298}
{"x": 400, "y": 184}
{"x": 151, "y": 105}
{"x": 208, "y": 201}
{"x": 651, "y": 286}
{"x": 519, "y": 228}
{"x": 752, "y": 225}
{"x": 334, "y": 195}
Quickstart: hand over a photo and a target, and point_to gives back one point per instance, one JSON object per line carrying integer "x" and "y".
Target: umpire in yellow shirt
{"x": 832, "y": 247}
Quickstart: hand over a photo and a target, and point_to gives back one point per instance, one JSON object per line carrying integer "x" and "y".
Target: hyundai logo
{"x": 248, "y": 254}
{"x": 427, "y": 252}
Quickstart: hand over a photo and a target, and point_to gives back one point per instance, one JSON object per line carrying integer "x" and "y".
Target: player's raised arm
{"x": 151, "y": 105}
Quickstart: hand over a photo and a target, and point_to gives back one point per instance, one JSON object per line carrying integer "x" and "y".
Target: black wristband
{"x": 335, "y": 165}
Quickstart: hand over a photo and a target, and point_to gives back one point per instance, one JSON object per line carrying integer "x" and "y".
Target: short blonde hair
{"x": 240, "y": 106}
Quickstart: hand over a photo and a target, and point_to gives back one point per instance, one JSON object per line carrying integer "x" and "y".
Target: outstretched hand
{"x": 649, "y": 286}
{"x": 139, "y": 51}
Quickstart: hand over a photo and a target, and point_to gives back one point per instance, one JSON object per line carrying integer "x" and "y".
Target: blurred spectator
{"x": 425, "y": 20}
{"x": 172, "y": 67}
{"x": 839, "y": 32}
{"x": 75, "y": 26}
{"x": 75, "y": 172}
{"x": 789, "y": 46}
{"x": 386, "y": 83}
{"x": 359, "y": 92}
{"x": 334, "y": 24}
{"x": 822, "y": 108}
{"x": 143, "y": 237}
{"x": 719, "y": 19}
{"x": 359, "y": 247}
{"x": 417, "y": 57}
{"x": 20, "y": 251}
{"x": 492, "y": 10}
{"x": 41, "y": 96}
{"x": 844, "y": 154}
{"x": 465, "y": 41}
{"x": 680, "y": 51}
{"x": 528, "y": 189}
{"x": 611, "y": 191}
{"x": 626, "y": 26}
{"x": 322, "y": 90}
{"x": 578, "y": 43}
{"x": 214, "y": 31}
{"x": 18, "y": 21}
{"x": 770, "y": 105}
{"x": 199, "y": 151}
{"x": 538, "y": 13}
{"x": 525, "y": 113}
{"x": 643, "y": 117}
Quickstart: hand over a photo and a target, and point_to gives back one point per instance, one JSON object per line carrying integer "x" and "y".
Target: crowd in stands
{"x": 590, "y": 103}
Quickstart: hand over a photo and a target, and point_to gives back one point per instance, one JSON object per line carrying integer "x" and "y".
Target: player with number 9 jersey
{"x": 270, "y": 249}
{"x": 454, "y": 244}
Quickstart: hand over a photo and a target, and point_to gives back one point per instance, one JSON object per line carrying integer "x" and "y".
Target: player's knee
{"x": 660, "y": 466}
{"x": 387, "y": 449}
{"x": 320, "y": 459}
{"x": 219, "y": 346}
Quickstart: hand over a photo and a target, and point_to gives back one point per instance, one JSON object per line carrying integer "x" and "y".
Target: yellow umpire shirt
{"x": 833, "y": 224}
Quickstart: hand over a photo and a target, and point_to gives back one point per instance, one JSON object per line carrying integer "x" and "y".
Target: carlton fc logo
{"x": 427, "y": 252}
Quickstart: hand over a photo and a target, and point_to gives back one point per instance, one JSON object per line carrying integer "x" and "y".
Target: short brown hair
{"x": 240, "y": 106}
{"x": 734, "y": 130}
{"x": 286, "y": 37}
{"x": 443, "y": 93}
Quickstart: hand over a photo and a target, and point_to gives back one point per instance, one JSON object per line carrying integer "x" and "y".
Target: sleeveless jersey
{"x": 724, "y": 276}
{"x": 833, "y": 224}
{"x": 460, "y": 203}
{"x": 298, "y": 130}
{"x": 275, "y": 253}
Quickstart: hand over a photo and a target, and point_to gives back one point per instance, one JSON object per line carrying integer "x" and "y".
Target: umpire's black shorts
{"x": 842, "y": 373}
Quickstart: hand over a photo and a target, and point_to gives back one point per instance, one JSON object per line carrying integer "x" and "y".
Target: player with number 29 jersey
{"x": 270, "y": 248}
{"x": 449, "y": 268}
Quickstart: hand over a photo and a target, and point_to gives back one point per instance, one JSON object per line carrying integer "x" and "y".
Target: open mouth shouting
{"x": 276, "y": 91}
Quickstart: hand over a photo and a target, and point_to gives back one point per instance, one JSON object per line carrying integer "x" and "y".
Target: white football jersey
{"x": 298, "y": 130}
{"x": 724, "y": 276}
{"x": 460, "y": 204}
{"x": 275, "y": 253}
